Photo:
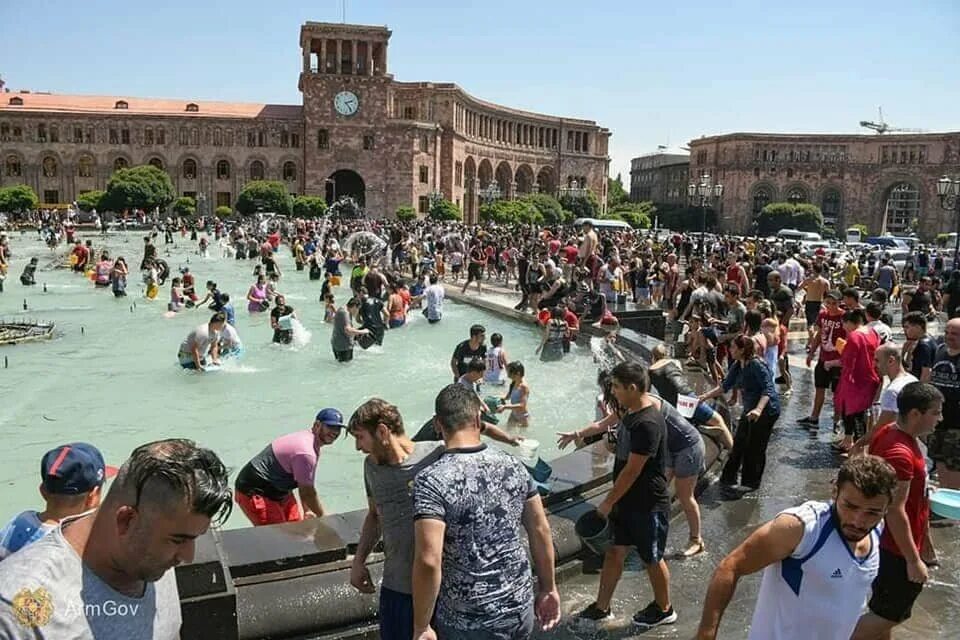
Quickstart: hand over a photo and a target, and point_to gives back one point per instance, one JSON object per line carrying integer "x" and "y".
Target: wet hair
{"x": 224, "y": 297}
{"x": 219, "y": 316}
{"x": 476, "y": 365}
{"x": 176, "y": 282}
{"x": 733, "y": 289}
{"x": 456, "y": 408}
{"x": 746, "y": 345}
{"x": 870, "y": 475}
{"x": 874, "y": 310}
{"x": 476, "y": 330}
{"x": 176, "y": 470}
{"x": 916, "y": 318}
{"x": 752, "y": 320}
{"x": 851, "y": 293}
{"x": 353, "y": 302}
{"x": 515, "y": 368}
{"x": 374, "y": 412}
{"x": 756, "y": 295}
{"x": 632, "y": 373}
{"x": 433, "y": 278}
{"x": 855, "y": 316}
{"x": 496, "y": 340}
{"x": 917, "y": 395}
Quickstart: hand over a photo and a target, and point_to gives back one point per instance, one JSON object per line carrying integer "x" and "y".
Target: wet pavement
{"x": 800, "y": 467}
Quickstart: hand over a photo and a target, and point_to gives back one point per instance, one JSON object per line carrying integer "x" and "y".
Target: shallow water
{"x": 110, "y": 376}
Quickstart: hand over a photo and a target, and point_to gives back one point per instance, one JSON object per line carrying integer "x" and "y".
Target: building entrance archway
{"x": 345, "y": 182}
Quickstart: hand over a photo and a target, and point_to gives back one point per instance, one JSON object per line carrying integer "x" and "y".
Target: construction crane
{"x": 882, "y": 127}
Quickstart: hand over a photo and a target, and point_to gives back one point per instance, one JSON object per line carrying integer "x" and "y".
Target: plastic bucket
{"x": 527, "y": 451}
{"x": 594, "y": 532}
{"x": 285, "y": 322}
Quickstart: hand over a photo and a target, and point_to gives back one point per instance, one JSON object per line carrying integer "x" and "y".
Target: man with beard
{"x": 77, "y": 580}
{"x": 818, "y": 561}
{"x": 392, "y": 462}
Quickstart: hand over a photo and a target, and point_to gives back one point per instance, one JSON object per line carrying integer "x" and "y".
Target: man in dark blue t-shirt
{"x": 638, "y": 503}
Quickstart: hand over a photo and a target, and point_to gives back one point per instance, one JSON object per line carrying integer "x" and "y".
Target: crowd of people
{"x": 451, "y": 514}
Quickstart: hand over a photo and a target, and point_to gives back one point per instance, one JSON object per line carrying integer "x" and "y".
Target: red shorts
{"x": 261, "y": 511}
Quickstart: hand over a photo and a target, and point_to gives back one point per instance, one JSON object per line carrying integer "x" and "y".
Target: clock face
{"x": 346, "y": 103}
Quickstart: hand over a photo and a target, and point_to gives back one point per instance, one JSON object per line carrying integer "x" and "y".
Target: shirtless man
{"x": 587, "y": 254}
{"x": 814, "y": 287}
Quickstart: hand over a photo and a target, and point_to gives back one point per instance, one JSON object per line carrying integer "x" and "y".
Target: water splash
{"x": 363, "y": 244}
{"x": 602, "y": 353}
{"x": 301, "y": 336}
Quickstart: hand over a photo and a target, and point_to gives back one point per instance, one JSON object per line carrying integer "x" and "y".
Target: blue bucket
{"x": 594, "y": 532}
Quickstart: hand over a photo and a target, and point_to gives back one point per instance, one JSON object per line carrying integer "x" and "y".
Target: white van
{"x": 792, "y": 235}
{"x": 603, "y": 224}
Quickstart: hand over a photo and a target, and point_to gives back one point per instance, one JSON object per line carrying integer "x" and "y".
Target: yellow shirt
{"x": 851, "y": 273}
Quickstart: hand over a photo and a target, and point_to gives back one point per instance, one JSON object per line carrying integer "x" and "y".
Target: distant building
{"x": 358, "y": 132}
{"x": 660, "y": 177}
{"x": 887, "y": 182}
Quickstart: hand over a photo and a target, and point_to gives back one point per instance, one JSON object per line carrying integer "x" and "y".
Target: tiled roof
{"x": 52, "y": 102}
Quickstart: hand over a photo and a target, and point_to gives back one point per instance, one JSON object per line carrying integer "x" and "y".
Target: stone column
{"x": 323, "y": 56}
{"x": 306, "y": 56}
{"x": 369, "y": 58}
{"x": 383, "y": 67}
{"x": 353, "y": 57}
{"x": 339, "y": 66}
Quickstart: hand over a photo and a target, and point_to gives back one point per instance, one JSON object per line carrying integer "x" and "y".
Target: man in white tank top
{"x": 818, "y": 561}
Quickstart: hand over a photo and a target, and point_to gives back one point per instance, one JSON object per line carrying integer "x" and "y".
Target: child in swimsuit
{"x": 516, "y": 398}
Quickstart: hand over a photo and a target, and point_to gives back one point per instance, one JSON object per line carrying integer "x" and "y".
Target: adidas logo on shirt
{"x": 836, "y": 573}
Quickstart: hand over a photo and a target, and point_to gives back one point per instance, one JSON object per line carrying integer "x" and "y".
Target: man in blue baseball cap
{"x": 264, "y": 486}
{"x": 72, "y": 476}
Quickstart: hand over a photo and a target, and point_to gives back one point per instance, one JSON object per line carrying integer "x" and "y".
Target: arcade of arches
{"x": 513, "y": 182}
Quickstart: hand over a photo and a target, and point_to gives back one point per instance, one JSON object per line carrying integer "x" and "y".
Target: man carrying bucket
{"x": 638, "y": 504}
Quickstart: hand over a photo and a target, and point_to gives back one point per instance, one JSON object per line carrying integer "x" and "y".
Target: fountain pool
{"x": 110, "y": 376}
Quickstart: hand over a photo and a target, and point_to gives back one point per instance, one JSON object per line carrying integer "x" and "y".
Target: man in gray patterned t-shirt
{"x": 468, "y": 510}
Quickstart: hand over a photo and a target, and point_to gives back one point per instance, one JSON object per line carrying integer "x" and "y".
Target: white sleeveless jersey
{"x": 820, "y": 589}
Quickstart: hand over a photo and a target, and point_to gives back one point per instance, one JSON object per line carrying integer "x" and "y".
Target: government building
{"x": 358, "y": 133}
{"x": 887, "y": 182}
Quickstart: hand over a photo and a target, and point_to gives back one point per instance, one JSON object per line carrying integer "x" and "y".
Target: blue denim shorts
{"x": 396, "y": 615}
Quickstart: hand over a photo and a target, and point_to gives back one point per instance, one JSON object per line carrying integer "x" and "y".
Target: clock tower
{"x": 346, "y": 111}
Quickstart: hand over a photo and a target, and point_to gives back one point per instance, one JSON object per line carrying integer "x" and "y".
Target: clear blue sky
{"x": 652, "y": 72}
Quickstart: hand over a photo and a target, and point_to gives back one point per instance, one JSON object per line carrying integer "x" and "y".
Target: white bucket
{"x": 528, "y": 451}
{"x": 687, "y": 405}
{"x": 285, "y": 322}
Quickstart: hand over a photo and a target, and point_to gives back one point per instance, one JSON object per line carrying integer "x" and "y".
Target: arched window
{"x": 156, "y": 162}
{"x": 120, "y": 163}
{"x": 761, "y": 198}
{"x": 190, "y": 169}
{"x": 12, "y": 166}
{"x": 223, "y": 170}
{"x": 85, "y": 167}
{"x": 256, "y": 170}
{"x": 289, "y": 171}
{"x": 16, "y": 101}
{"x": 49, "y": 165}
{"x": 120, "y": 104}
{"x": 903, "y": 207}
{"x": 830, "y": 206}
{"x": 796, "y": 195}
{"x": 192, "y": 107}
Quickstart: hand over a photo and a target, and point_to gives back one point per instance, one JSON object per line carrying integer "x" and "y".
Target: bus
{"x": 854, "y": 235}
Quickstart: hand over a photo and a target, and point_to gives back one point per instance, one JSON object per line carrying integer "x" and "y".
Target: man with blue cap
{"x": 72, "y": 476}
{"x": 264, "y": 487}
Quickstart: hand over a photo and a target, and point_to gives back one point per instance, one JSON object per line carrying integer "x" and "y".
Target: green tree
{"x": 144, "y": 187}
{"x": 549, "y": 208}
{"x": 445, "y": 210}
{"x": 265, "y": 195}
{"x": 864, "y": 232}
{"x": 90, "y": 200}
{"x": 185, "y": 206}
{"x": 586, "y": 206}
{"x": 223, "y": 211}
{"x": 309, "y": 206}
{"x": 784, "y": 215}
{"x": 406, "y": 213}
{"x": 638, "y": 215}
{"x": 511, "y": 212}
{"x": 616, "y": 194}
{"x": 18, "y": 198}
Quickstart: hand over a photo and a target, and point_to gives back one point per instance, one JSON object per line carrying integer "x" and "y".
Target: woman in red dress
{"x": 858, "y": 378}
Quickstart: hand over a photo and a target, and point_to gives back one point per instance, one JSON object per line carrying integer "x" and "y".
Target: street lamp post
{"x": 949, "y": 192}
{"x": 491, "y": 192}
{"x": 201, "y": 198}
{"x": 707, "y": 193}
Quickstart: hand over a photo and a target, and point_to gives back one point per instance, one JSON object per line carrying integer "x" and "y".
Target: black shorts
{"x": 893, "y": 594}
{"x": 824, "y": 378}
{"x": 811, "y": 309}
{"x": 343, "y": 356}
{"x": 474, "y": 271}
{"x": 645, "y": 530}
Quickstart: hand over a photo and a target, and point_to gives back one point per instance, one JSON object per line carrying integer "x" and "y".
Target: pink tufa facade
{"x": 358, "y": 132}
{"x": 887, "y": 182}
